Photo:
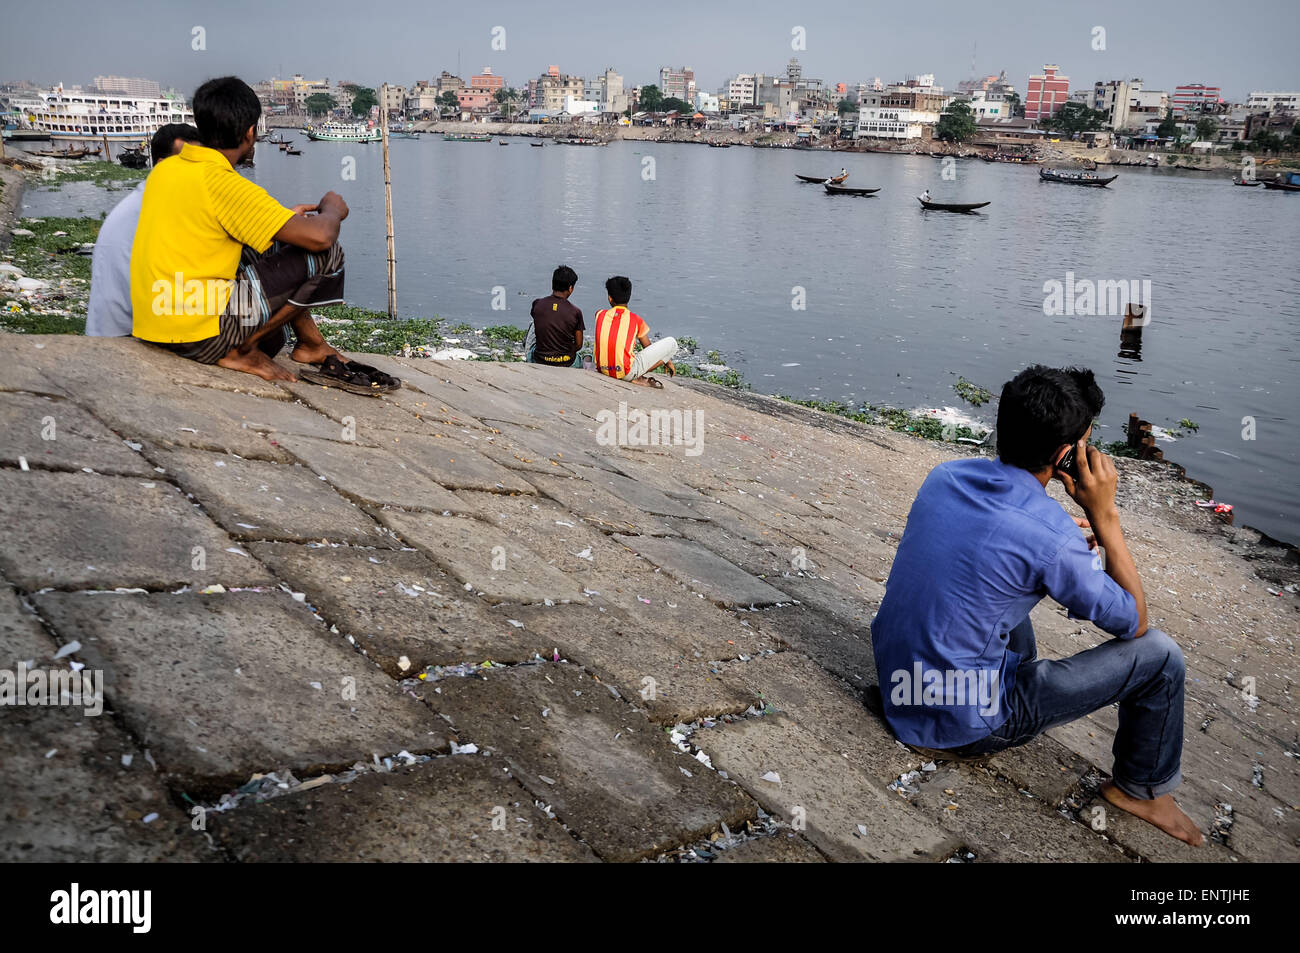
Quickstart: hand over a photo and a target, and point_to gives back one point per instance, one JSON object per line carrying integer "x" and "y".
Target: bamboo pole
{"x": 388, "y": 203}
{"x": 108, "y": 156}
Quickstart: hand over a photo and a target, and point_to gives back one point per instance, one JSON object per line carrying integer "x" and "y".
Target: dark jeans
{"x": 1144, "y": 676}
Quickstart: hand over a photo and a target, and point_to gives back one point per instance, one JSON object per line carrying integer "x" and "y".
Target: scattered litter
{"x": 685, "y": 772}
{"x": 546, "y": 779}
{"x": 772, "y": 777}
{"x": 929, "y": 766}
{"x": 149, "y": 818}
{"x": 127, "y": 759}
{"x": 214, "y": 589}
{"x": 1214, "y": 505}
{"x": 51, "y": 753}
{"x": 586, "y": 554}
{"x": 906, "y": 784}
{"x": 73, "y": 646}
{"x": 470, "y": 748}
{"x": 516, "y": 623}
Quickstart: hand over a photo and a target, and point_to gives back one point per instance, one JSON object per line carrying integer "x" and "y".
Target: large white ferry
{"x": 342, "y": 132}
{"x": 75, "y": 114}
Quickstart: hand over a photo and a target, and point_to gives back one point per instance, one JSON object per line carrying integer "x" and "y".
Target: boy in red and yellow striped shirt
{"x": 618, "y": 329}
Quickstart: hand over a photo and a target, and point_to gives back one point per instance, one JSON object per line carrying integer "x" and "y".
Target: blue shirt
{"x": 109, "y": 311}
{"x": 983, "y": 544}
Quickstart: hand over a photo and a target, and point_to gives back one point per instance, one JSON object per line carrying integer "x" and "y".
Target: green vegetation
{"x": 317, "y": 104}
{"x": 1118, "y": 448}
{"x": 505, "y": 332}
{"x": 903, "y": 421}
{"x": 1075, "y": 117}
{"x": 973, "y": 394}
{"x": 363, "y": 98}
{"x": 108, "y": 174}
{"x": 957, "y": 124}
{"x": 650, "y": 99}
{"x": 375, "y": 331}
{"x": 1186, "y": 424}
{"x": 846, "y": 106}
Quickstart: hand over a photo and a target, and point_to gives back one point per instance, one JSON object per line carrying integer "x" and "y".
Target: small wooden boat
{"x": 1250, "y": 185}
{"x": 832, "y": 189}
{"x": 538, "y": 145}
{"x": 502, "y": 142}
{"x": 1284, "y": 182}
{"x": 466, "y": 137}
{"x": 719, "y": 145}
{"x": 293, "y": 152}
{"x": 951, "y": 206}
{"x": 133, "y": 158}
{"x": 834, "y": 180}
{"x": 1075, "y": 178}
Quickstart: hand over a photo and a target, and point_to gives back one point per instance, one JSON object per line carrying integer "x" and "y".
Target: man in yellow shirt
{"x": 220, "y": 270}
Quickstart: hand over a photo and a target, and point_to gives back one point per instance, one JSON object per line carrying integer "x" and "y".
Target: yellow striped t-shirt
{"x": 197, "y": 215}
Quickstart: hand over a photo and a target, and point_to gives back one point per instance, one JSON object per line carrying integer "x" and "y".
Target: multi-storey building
{"x": 739, "y": 91}
{"x": 1195, "y": 98}
{"x": 131, "y": 86}
{"x": 677, "y": 83}
{"x": 901, "y": 111}
{"x": 1046, "y": 94}
{"x": 549, "y": 91}
{"x": 1270, "y": 101}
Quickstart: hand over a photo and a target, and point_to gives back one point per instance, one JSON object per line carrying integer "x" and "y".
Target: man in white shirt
{"x": 109, "y": 312}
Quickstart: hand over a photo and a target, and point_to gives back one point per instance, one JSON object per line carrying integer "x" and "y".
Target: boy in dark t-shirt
{"x": 557, "y": 324}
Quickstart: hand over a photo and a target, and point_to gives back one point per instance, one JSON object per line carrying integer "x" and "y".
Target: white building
{"x": 1271, "y": 101}
{"x": 707, "y": 103}
{"x": 986, "y": 105}
{"x": 578, "y": 107}
{"x": 740, "y": 91}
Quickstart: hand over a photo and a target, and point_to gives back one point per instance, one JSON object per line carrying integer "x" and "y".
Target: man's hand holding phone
{"x": 1093, "y": 483}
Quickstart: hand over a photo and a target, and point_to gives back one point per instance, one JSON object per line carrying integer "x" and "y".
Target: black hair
{"x": 564, "y": 278}
{"x": 619, "y": 289}
{"x": 1042, "y": 408}
{"x": 164, "y": 138}
{"x": 224, "y": 109}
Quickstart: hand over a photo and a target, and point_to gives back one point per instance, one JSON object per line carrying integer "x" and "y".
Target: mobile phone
{"x": 1068, "y": 464}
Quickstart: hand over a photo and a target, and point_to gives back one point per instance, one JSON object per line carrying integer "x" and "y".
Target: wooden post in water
{"x": 108, "y": 156}
{"x": 388, "y": 203}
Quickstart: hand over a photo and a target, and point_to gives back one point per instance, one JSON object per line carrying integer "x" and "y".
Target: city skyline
{"x": 842, "y": 43}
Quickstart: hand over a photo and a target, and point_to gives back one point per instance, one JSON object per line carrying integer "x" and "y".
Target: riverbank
{"x": 476, "y": 591}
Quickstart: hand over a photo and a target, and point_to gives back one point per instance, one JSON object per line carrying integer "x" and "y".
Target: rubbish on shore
{"x": 1214, "y": 505}
{"x": 73, "y": 646}
{"x": 470, "y": 748}
{"x": 772, "y": 777}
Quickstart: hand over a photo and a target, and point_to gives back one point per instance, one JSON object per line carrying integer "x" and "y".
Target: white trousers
{"x": 665, "y": 349}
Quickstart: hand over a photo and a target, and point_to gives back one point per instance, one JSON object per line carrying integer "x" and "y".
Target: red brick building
{"x": 1194, "y": 98}
{"x": 1046, "y": 94}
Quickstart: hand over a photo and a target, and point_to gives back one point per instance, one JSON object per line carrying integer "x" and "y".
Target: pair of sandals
{"x": 351, "y": 376}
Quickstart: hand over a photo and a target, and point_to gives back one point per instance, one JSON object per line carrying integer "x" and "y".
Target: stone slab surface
{"x": 459, "y": 809}
{"x": 60, "y": 435}
{"x": 607, "y": 773}
{"x": 996, "y": 822}
{"x": 224, "y": 686}
{"x": 254, "y": 499}
{"x": 371, "y": 476}
{"x": 777, "y": 849}
{"x": 451, "y": 463}
{"x": 483, "y": 558}
{"x": 115, "y": 531}
{"x": 721, "y": 582}
{"x": 69, "y": 796}
{"x": 820, "y": 785}
{"x": 402, "y": 610}
{"x": 21, "y": 637}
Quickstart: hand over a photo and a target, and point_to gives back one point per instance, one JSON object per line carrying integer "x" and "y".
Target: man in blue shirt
{"x": 984, "y": 544}
{"x": 109, "y": 311}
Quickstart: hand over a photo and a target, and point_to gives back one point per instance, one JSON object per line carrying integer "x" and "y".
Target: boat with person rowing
{"x": 1284, "y": 182}
{"x": 466, "y": 137}
{"x": 832, "y": 189}
{"x": 819, "y": 180}
{"x": 1075, "y": 178}
{"x": 951, "y": 206}
{"x": 1249, "y": 183}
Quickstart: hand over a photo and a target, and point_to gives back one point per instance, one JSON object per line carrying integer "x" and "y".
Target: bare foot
{"x": 638, "y": 381}
{"x": 255, "y": 362}
{"x": 314, "y": 353}
{"x": 1163, "y": 812}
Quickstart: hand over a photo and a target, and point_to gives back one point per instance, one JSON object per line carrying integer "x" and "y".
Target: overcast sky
{"x": 1166, "y": 42}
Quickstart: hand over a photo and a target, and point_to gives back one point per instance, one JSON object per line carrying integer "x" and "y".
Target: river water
{"x": 725, "y": 246}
